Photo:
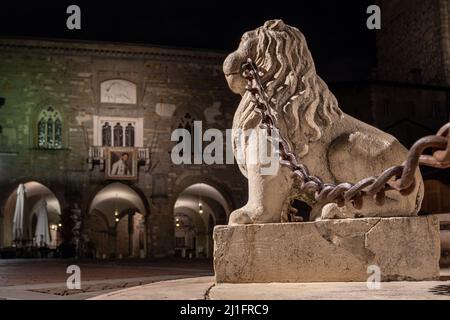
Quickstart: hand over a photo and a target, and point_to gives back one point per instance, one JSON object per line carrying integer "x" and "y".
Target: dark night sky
{"x": 342, "y": 46}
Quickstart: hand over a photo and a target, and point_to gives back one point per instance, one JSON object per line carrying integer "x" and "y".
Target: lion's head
{"x": 290, "y": 78}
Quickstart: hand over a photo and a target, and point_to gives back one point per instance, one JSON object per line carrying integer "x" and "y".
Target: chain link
{"x": 400, "y": 178}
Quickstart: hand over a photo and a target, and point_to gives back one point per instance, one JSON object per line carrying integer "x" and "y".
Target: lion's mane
{"x": 301, "y": 100}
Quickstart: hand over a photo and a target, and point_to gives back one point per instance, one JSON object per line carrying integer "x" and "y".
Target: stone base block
{"x": 328, "y": 250}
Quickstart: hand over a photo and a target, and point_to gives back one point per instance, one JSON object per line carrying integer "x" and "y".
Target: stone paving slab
{"x": 15, "y": 272}
{"x": 58, "y": 291}
{"x": 402, "y": 290}
{"x": 185, "y": 289}
{"x": 204, "y": 288}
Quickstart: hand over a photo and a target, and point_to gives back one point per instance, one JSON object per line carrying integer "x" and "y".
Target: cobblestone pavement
{"x": 46, "y": 279}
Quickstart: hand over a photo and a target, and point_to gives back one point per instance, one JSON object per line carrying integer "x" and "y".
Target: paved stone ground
{"x": 46, "y": 279}
{"x": 204, "y": 288}
{"x": 181, "y": 279}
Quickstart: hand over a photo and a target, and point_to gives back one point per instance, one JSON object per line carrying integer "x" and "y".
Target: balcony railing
{"x": 97, "y": 155}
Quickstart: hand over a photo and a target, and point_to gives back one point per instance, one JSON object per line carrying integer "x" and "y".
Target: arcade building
{"x": 87, "y": 128}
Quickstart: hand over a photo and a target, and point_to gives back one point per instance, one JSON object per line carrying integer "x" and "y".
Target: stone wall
{"x": 413, "y": 43}
{"x": 67, "y": 75}
{"x": 407, "y": 111}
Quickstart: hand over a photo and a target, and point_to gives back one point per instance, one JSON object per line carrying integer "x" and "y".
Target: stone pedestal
{"x": 328, "y": 250}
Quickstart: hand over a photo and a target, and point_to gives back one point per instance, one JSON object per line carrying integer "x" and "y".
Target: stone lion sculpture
{"x": 333, "y": 145}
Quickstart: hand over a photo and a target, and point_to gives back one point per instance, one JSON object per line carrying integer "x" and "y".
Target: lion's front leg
{"x": 267, "y": 195}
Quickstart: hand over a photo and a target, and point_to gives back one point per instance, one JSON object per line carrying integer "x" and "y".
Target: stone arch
{"x": 113, "y": 202}
{"x": 36, "y": 191}
{"x": 56, "y": 188}
{"x": 100, "y": 186}
{"x": 188, "y": 179}
{"x": 205, "y": 206}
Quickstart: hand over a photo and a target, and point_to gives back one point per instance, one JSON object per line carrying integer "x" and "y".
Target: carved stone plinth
{"x": 328, "y": 251}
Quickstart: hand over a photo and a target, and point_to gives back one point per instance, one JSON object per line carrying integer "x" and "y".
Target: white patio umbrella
{"x": 19, "y": 213}
{"x": 42, "y": 233}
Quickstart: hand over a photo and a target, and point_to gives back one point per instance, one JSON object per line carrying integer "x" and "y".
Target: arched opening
{"x": 115, "y": 225}
{"x": 36, "y": 195}
{"x": 197, "y": 210}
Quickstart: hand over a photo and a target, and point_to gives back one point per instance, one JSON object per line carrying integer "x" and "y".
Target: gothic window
{"x": 106, "y": 135}
{"x": 129, "y": 135}
{"x": 122, "y": 133}
{"x": 49, "y": 129}
{"x": 58, "y": 133}
{"x": 42, "y": 137}
{"x": 118, "y": 135}
{"x": 50, "y": 132}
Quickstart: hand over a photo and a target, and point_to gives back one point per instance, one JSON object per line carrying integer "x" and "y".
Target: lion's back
{"x": 363, "y": 151}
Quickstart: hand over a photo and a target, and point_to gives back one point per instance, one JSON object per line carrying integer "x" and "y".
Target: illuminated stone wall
{"x": 67, "y": 75}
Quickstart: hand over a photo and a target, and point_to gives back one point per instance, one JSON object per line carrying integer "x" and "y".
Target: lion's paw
{"x": 332, "y": 211}
{"x": 240, "y": 216}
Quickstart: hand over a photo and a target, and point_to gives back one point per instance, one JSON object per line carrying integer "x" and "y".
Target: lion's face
{"x": 298, "y": 95}
{"x": 233, "y": 63}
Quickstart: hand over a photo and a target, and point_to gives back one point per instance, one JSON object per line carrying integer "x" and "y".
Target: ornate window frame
{"x": 47, "y": 129}
{"x": 138, "y": 124}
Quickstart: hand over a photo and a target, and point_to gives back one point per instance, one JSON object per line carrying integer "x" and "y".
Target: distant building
{"x": 409, "y": 93}
{"x": 69, "y": 109}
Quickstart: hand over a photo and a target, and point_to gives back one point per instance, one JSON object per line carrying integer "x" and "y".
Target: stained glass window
{"x": 58, "y": 134}
{"x": 50, "y": 134}
{"x": 42, "y": 137}
{"x": 49, "y": 129}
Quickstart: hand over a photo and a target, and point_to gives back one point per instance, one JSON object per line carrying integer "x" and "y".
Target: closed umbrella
{"x": 42, "y": 233}
{"x": 19, "y": 213}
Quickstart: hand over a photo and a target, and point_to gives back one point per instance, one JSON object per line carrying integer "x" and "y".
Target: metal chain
{"x": 400, "y": 178}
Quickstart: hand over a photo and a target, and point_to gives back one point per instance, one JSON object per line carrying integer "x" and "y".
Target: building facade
{"x": 87, "y": 127}
{"x": 408, "y": 94}
{"x": 413, "y": 44}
